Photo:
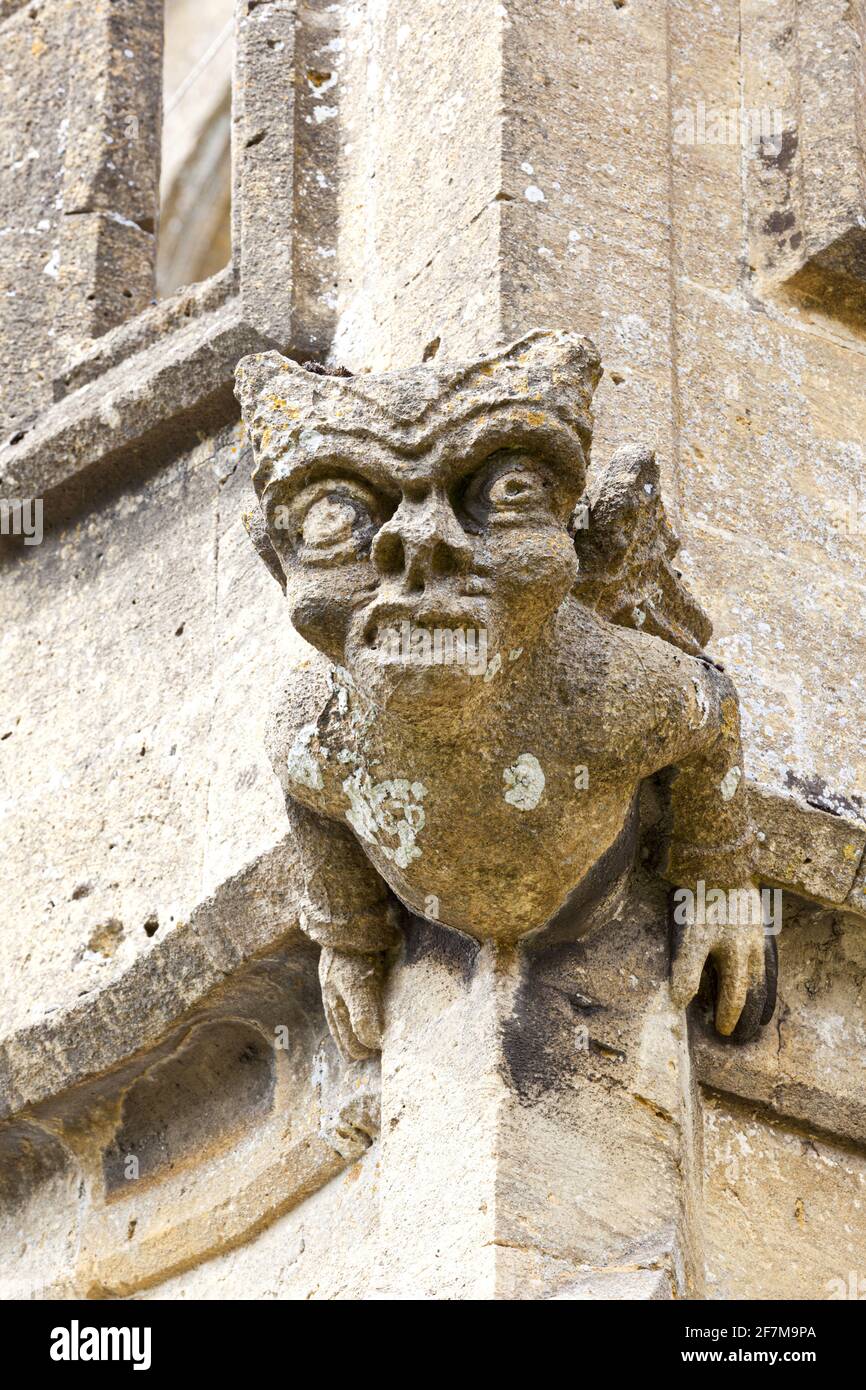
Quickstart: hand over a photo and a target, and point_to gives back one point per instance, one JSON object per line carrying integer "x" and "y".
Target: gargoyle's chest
{"x": 490, "y": 836}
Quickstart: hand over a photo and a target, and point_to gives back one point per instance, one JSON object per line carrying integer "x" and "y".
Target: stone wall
{"x": 415, "y": 182}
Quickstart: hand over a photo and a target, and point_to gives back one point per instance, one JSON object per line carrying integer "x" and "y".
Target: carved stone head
{"x": 434, "y": 500}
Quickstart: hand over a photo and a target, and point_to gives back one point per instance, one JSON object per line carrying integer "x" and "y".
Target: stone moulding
{"x": 220, "y": 1088}
{"x": 158, "y": 377}
{"x": 133, "y": 414}
{"x": 251, "y": 914}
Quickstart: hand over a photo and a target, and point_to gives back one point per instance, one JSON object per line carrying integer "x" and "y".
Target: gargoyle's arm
{"x": 711, "y": 833}
{"x": 349, "y": 912}
{"x": 712, "y": 839}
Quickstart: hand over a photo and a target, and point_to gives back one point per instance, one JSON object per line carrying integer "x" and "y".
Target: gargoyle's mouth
{"x": 391, "y": 621}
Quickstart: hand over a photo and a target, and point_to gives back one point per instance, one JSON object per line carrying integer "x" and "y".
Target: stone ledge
{"x": 806, "y": 1066}
{"x": 816, "y": 854}
{"x": 631, "y": 1285}
{"x": 138, "y": 334}
{"x": 146, "y": 405}
{"x": 251, "y": 913}
{"x": 182, "y": 1109}
{"x": 242, "y": 1112}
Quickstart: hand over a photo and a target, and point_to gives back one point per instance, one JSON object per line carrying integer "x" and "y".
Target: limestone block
{"x": 543, "y": 1109}
{"x": 142, "y": 1164}
{"x": 133, "y": 772}
{"x": 419, "y": 233}
{"x": 790, "y": 1198}
{"x": 33, "y": 82}
{"x": 625, "y": 1284}
{"x": 263, "y": 119}
{"x": 808, "y": 211}
{"x": 323, "y": 1249}
{"x": 110, "y": 191}
{"x": 769, "y": 448}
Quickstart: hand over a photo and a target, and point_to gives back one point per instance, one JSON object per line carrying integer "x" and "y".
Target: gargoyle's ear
{"x": 254, "y": 524}
{"x": 252, "y": 374}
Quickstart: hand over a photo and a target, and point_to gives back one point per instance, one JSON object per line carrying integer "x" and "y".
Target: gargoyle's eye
{"x": 329, "y": 521}
{"x": 509, "y": 485}
{"x": 515, "y": 488}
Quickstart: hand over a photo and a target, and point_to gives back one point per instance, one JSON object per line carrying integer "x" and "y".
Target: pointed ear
{"x": 252, "y": 374}
{"x": 254, "y": 525}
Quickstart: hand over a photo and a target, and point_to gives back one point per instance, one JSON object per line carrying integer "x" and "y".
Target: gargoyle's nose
{"x": 422, "y": 542}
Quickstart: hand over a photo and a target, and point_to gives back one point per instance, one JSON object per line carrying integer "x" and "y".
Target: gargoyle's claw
{"x": 351, "y": 994}
{"x": 771, "y": 976}
{"x": 340, "y": 1028}
{"x": 761, "y": 1001}
{"x": 745, "y": 968}
{"x": 740, "y": 972}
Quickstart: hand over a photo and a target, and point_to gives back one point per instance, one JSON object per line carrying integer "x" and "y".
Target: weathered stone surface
{"x": 298, "y": 1256}
{"x": 33, "y": 89}
{"x": 804, "y": 64}
{"x": 416, "y": 184}
{"x": 129, "y": 741}
{"x": 110, "y": 192}
{"x": 544, "y": 1108}
{"x": 815, "y": 851}
{"x": 152, "y": 1146}
{"x": 792, "y": 1199}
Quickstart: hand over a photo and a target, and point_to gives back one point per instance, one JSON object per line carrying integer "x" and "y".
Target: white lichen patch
{"x": 730, "y": 782}
{"x": 387, "y": 814}
{"x": 343, "y": 688}
{"x": 524, "y": 782}
{"x": 703, "y": 703}
{"x": 311, "y": 440}
{"x": 301, "y": 763}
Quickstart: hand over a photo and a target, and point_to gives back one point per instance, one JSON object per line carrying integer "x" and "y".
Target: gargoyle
{"x": 418, "y": 521}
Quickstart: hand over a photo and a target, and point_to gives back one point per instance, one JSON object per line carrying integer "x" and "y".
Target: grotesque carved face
{"x": 421, "y": 517}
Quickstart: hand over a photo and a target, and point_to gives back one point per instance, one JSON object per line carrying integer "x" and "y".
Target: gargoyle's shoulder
{"x": 300, "y": 729}
{"x": 589, "y": 639}
{"x": 638, "y": 674}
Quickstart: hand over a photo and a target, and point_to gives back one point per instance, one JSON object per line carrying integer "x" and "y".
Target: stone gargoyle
{"x": 501, "y": 659}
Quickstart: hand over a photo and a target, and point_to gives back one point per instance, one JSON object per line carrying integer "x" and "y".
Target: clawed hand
{"x": 352, "y": 996}
{"x": 745, "y": 960}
